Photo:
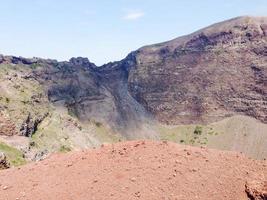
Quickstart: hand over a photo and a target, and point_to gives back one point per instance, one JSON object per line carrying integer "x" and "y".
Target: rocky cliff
{"x": 211, "y": 74}
{"x": 88, "y": 92}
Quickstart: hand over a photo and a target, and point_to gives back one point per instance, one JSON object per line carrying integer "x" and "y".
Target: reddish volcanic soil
{"x": 136, "y": 170}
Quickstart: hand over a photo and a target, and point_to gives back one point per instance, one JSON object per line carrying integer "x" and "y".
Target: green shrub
{"x": 34, "y": 65}
{"x": 192, "y": 141}
{"x": 98, "y": 124}
{"x": 198, "y": 130}
{"x": 64, "y": 149}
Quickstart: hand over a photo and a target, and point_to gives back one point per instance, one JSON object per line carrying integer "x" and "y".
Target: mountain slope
{"x": 238, "y": 133}
{"x": 208, "y": 76}
{"x": 214, "y": 73}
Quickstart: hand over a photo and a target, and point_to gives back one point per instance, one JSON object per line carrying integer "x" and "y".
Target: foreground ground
{"x": 137, "y": 170}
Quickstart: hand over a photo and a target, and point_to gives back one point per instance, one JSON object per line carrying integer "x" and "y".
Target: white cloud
{"x": 134, "y": 15}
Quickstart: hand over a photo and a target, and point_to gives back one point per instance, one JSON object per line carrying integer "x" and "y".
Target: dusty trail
{"x": 135, "y": 170}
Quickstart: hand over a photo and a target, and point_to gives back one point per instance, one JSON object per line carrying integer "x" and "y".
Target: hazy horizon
{"x": 106, "y": 31}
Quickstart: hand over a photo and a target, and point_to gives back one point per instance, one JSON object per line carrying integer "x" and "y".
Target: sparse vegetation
{"x": 196, "y": 135}
{"x": 34, "y": 65}
{"x": 64, "y": 149}
{"x": 104, "y": 134}
{"x": 192, "y": 141}
{"x": 14, "y": 156}
{"x": 198, "y": 130}
{"x": 7, "y": 100}
{"x": 98, "y": 124}
{"x": 32, "y": 144}
{"x": 71, "y": 112}
{"x": 211, "y": 133}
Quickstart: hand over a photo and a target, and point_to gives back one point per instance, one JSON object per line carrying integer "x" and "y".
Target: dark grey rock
{"x": 30, "y": 124}
{"x": 4, "y": 164}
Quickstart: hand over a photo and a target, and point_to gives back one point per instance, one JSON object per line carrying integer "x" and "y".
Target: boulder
{"x": 80, "y": 61}
{"x": 256, "y": 190}
{"x": 4, "y": 164}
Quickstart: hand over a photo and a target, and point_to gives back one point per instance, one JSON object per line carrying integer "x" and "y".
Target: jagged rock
{"x": 264, "y": 29}
{"x": 25, "y": 61}
{"x": 256, "y": 190}
{"x": 40, "y": 155}
{"x": 30, "y": 124}
{"x": 80, "y": 61}
{"x": 1, "y": 58}
{"x": 28, "y": 61}
{"x": 4, "y": 164}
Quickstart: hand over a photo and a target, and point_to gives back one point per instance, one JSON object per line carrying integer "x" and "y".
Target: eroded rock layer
{"x": 216, "y": 72}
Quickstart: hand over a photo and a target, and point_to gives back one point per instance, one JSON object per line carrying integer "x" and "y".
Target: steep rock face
{"x": 74, "y": 85}
{"x": 216, "y": 72}
{"x": 93, "y": 94}
{"x": 130, "y": 113}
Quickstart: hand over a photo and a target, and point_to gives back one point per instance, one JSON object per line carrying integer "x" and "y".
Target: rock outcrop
{"x": 213, "y": 73}
{"x": 4, "y": 164}
{"x": 257, "y": 190}
{"x": 30, "y": 124}
{"x": 93, "y": 93}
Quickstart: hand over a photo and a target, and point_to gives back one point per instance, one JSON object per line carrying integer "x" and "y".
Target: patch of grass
{"x": 195, "y": 135}
{"x": 34, "y": 66}
{"x": 49, "y": 134}
{"x": 104, "y": 134}
{"x": 14, "y": 156}
{"x": 7, "y": 100}
{"x": 98, "y": 124}
{"x": 192, "y": 141}
{"x": 64, "y": 149}
{"x": 169, "y": 137}
{"x": 176, "y": 134}
{"x": 71, "y": 112}
{"x": 211, "y": 133}
{"x": 198, "y": 130}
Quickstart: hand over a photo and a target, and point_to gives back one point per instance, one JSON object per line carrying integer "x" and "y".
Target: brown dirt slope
{"x": 138, "y": 170}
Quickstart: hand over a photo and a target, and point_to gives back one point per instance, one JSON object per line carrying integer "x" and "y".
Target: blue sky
{"x": 107, "y": 30}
